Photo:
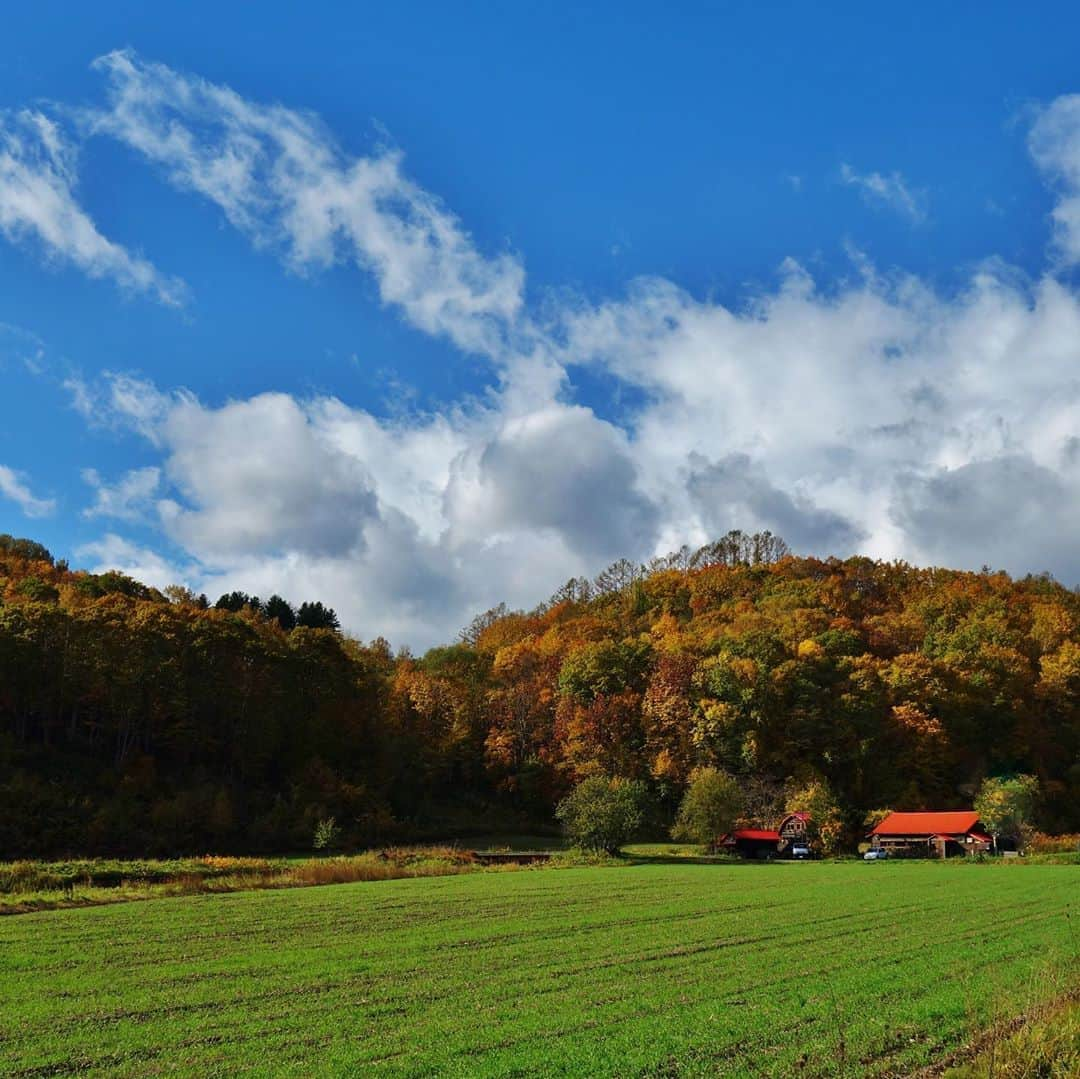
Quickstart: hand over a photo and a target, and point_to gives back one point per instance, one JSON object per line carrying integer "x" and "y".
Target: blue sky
{"x": 543, "y": 287}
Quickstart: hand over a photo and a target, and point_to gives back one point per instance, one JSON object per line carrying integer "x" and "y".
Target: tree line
{"x": 136, "y": 721}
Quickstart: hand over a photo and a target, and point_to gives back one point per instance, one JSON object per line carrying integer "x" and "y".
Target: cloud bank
{"x": 873, "y": 415}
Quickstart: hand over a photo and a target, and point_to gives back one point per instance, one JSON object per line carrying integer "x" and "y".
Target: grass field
{"x": 812, "y": 969}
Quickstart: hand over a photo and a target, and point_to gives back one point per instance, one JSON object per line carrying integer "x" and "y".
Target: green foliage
{"x": 605, "y": 669}
{"x": 280, "y": 610}
{"x": 327, "y": 834}
{"x": 38, "y": 590}
{"x": 316, "y": 616}
{"x": 601, "y": 814}
{"x": 96, "y": 585}
{"x": 712, "y": 804}
{"x": 1007, "y": 807}
{"x": 826, "y": 821}
{"x": 25, "y": 549}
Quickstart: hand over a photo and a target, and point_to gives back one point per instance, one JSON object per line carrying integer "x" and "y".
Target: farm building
{"x": 751, "y": 842}
{"x": 790, "y": 840}
{"x": 794, "y": 834}
{"x": 931, "y": 835}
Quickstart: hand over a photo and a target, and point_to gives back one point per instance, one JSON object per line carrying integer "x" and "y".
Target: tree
{"x": 316, "y": 616}
{"x": 1006, "y": 807}
{"x": 710, "y": 807}
{"x": 601, "y": 814}
{"x": 237, "y": 601}
{"x": 281, "y": 611}
{"x": 818, "y": 801}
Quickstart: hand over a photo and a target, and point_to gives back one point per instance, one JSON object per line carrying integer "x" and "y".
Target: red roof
{"x": 954, "y": 823}
{"x": 765, "y": 835}
{"x": 981, "y": 837}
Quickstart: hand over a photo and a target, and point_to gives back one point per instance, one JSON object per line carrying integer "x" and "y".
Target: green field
{"x": 811, "y": 969}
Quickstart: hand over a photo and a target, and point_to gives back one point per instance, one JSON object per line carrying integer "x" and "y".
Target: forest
{"x": 140, "y": 722}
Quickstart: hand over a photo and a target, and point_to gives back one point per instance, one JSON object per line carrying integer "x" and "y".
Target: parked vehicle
{"x": 800, "y": 852}
{"x": 875, "y": 855}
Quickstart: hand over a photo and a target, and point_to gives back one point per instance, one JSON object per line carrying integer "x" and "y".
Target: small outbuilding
{"x": 931, "y": 835}
{"x": 751, "y": 842}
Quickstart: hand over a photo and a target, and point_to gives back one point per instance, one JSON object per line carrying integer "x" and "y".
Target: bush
{"x": 327, "y": 834}
{"x": 1054, "y": 844}
{"x": 601, "y": 814}
{"x": 709, "y": 808}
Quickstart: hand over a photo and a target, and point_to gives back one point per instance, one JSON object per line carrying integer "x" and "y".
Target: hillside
{"x": 134, "y": 722}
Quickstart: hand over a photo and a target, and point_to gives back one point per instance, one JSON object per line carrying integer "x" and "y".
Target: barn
{"x": 751, "y": 842}
{"x": 931, "y": 835}
{"x": 791, "y": 840}
{"x": 795, "y": 836}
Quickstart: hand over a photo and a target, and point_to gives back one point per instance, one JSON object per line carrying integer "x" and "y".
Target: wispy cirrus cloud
{"x": 1054, "y": 142}
{"x": 38, "y": 206}
{"x": 891, "y": 192}
{"x": 279, "y": 177}
{"x": 13, "y": 485}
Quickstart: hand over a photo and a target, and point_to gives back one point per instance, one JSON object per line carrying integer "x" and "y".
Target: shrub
{"x": 709, "y": 808}
{"x": 1042, "y": 843}
{"x": 601, "y": 814}
{"x": 327, "y": 834}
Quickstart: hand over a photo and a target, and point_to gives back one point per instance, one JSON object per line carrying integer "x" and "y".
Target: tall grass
{"x": 28, "y": 886}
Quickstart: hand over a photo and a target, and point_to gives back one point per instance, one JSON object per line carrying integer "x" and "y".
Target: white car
{"x": 875, "y": 855}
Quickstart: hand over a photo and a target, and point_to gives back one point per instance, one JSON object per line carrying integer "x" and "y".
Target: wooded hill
{"x": 135, "y": 722}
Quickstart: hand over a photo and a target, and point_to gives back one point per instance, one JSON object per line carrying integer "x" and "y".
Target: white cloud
{"x": 891, "y": 192}
{"x": 874, "y": 415}
{"x": 13, "y": 486}
{"x": 1054, "y": 142}
{"x": 280, "y": 178}
{"x": 38, "y": 204}
{"x": 127, "y": 499}
{"x": 869, "y": 419}
{"x": 113, "y": 552}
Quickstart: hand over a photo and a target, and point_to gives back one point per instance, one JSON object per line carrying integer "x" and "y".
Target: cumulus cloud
{"x": 875, "y": 414}
{"x": 13, "y": 486}
{"x": 257, "y": 476}
{"x": 559, "y": 469}
{"x": 1004, "y": 512}
{"x": 891, "y": 192}
{"x": 736, "y": 492}
{"x": 113, "y": 552}
{"x": 127, "y": 499}
{"x": 38, "y": 204}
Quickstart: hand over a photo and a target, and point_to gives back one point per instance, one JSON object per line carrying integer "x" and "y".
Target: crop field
{"x": 663, "y": 969}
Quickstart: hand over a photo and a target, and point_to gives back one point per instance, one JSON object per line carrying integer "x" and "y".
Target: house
{"x": 931, "y": 835}
{"x": 751, "y": 842}
{"x": 795, "y": 835}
